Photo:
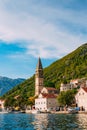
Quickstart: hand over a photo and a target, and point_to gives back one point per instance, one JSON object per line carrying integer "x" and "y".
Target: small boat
{"x": 72, "y": 110}
{"x": 3, "y": 112}
{"x": 28, "y": 111}
{"x": 14, "y": 111}
{"x": 35, "y": 111}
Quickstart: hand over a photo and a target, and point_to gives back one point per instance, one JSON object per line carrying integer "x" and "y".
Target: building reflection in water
{"x": 41, "y": 121}
{"x": 81, "y": 119}
{"x": 60, "y": 121}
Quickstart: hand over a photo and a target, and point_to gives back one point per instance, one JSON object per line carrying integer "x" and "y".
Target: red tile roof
{"x": 85, "y": 89}
{"x": 46, "y": 95}
{"x": 49, "y": 88}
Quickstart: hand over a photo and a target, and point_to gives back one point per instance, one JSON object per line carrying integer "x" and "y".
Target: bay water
{"x": 22, "y": 121}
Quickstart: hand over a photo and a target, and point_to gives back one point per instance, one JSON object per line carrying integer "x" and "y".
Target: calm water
{"x": 43, "y": 122}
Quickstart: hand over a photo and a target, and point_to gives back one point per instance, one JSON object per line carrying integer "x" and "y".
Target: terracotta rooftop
{"x": 46, "y": 95}
{"x": 49, "y": 88}
{"x": 85, "y": 89}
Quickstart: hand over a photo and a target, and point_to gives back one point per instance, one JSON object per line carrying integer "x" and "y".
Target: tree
{"x": 66, "y": 98}
{"x": 32, "y": 100}
{"x": 49, "y": 84}
{"x": 9, "y": 102}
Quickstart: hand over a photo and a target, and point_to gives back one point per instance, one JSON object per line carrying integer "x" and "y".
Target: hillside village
{"x": 46, "y": 97}
{"x": 47, "y": 84}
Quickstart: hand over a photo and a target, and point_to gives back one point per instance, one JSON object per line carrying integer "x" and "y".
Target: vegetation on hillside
{"x": 7, "y": 83}
{"x": 72, "y": 66}
{"x": 66, "y": 97}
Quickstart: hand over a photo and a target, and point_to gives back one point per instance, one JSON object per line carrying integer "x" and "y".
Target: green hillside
{"x": 72, "y": 66}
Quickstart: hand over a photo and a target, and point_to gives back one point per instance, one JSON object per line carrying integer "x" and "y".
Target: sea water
{"x": 21, "y": 121}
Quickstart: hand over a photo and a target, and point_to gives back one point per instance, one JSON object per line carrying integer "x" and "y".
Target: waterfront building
{"x": 81, "y": 98}
{"x": 47, "y": 96}
{"x": 46, "y": 101}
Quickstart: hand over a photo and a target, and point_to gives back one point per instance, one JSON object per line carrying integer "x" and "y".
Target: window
{"x": 79, "y": 93}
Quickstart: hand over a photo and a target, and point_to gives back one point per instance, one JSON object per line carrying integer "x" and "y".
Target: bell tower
{"x": 39, "y": 78}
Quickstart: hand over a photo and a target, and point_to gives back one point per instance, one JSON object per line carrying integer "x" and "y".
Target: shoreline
{"x": 66, "y": 112}
{"x": 58, "y": 112}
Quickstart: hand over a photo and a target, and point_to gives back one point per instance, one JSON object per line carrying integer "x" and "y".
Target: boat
{"x": 14, "y": 111}
{"x": 28, "y": 111}
{"x": 35, "y": 111}
{"x": 3, "y": 112}
{"x": 72, "y": 110}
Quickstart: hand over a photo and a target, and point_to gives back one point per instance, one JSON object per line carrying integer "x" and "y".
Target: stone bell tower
{"x": 39, "y": 78}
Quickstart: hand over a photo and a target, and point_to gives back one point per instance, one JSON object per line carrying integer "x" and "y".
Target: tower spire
{"x": 39, "y": 64}
{"x": 39, "y": 77}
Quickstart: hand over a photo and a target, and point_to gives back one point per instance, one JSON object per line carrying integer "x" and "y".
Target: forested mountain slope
{"x": 72, "y": 66}
{"x": 7, "y": 83}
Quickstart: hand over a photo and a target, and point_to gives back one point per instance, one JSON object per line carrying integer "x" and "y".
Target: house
{"x": 47, "y": 96}
{"x": 46, "y": 101}
{"x": 65, "y": 87}
{"x": 49, "y": 90}
{"x": 73, "y": 84}
{"x": 81, "y": 98}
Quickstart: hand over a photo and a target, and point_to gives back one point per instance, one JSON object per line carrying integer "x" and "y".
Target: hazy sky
{"x": 32, "y": 28}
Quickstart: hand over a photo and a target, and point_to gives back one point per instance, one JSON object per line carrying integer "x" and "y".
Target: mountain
{"x": 71, "y": 66}
{"x": 7, "y": 83}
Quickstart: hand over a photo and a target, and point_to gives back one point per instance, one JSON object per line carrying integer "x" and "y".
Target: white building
{"x": 81, "y": 98}
{"x": 65, "y": 87}
{"x": 68, "y": 86}
{"x": 46, "y": 102}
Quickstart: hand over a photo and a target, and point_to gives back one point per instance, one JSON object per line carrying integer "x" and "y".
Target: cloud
{"x": 42, "y": 28}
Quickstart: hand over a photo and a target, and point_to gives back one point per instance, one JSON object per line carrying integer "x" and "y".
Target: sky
{"x": 49, "y": 29}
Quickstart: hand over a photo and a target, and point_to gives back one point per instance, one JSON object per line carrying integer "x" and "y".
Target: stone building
{"x": 39, "y": 79}
{"x": 47, "y": 96}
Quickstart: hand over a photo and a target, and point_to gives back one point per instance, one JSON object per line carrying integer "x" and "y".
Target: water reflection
{"x": 81, "y": 120}
{"x": 43, "y": 122}
{"x": 60, "y": 122}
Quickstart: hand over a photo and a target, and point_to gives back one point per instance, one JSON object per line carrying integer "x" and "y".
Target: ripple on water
{"x": 43, "y": 122}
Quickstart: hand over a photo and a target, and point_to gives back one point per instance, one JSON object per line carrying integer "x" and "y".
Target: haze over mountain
{"x": 7, "y": 83}
{"x": 72, "y": 66}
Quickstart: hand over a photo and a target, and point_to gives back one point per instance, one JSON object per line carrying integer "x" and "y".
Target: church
{"x": 47, "y": 96}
